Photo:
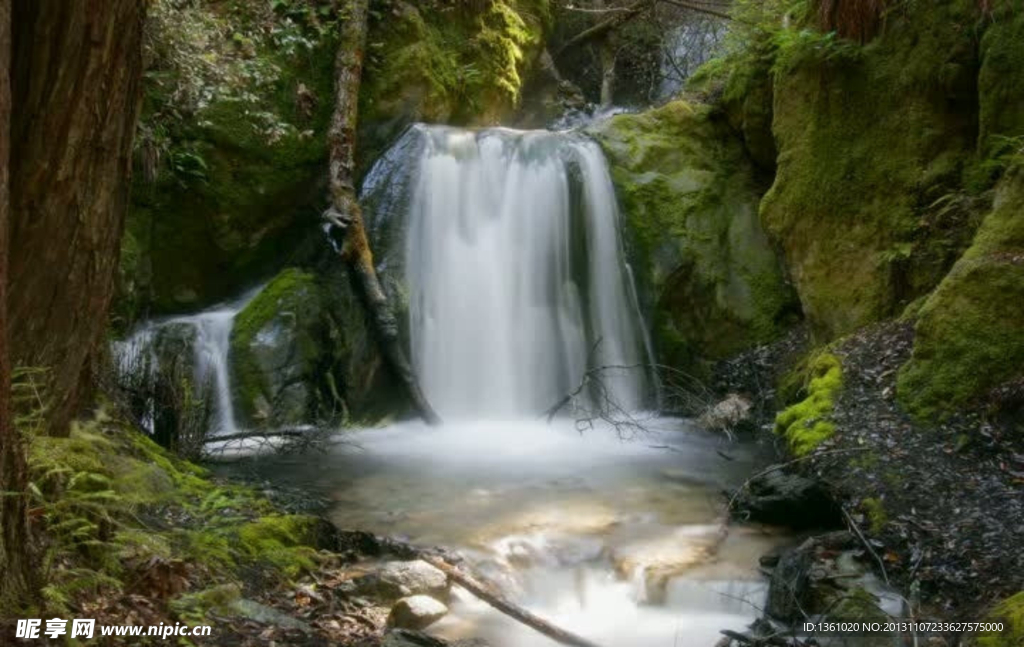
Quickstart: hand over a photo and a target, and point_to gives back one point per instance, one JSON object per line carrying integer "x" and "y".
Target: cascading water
{"x": 506, "y": 247}
{"x": 208, "y": 335}
{"x": 516, "y": 273}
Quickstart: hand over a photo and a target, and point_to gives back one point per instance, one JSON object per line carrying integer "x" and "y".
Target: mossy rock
{"x": 870, "y": 138}
{"x": 1001, "y": 81}
{"x": 807, "y": 424}
{"x": 1010, "y": 612}
{"x": 969, "y": 335}
{"x": 239, "y": 177}
{"x": 690, "y": 204}
{"x": 286, "y": 354}
{"x": 464, "y": 63}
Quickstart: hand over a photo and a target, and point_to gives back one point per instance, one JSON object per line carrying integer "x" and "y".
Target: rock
{"x": 791, "y": 500}
{"x": 403, "y": 579}
{"x": 416, "y": 612}
{"x": 690, "y": 207}
{"x": 969, "y": 336}
{"x": 287, "y": 355}
{"x": 727, "y": 414}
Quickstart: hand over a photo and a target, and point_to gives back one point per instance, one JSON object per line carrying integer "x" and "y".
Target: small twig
{"x": 867, "y": 544}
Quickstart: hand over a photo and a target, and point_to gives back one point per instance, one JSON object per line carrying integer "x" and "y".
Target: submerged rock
{"x": 416, "y": 612}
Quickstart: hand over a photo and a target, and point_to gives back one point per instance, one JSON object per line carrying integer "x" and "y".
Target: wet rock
{"x": 416, "y": 612}
{"x": 403, "y": 579}
{"x": 779, "y": 498}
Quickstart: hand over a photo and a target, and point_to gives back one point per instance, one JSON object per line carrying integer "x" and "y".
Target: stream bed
{"x": 620, "y": 541}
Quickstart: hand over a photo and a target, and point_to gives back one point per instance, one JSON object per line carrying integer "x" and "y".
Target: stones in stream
{"x": 416, "y": 612}
{"x": 783, "y": 499}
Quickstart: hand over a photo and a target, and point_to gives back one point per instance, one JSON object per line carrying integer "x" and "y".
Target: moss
{"x": 874, "y": 509}
{"x": 859, "y": 170}
{"x": 105, "y": 492}
{"x": 1010, "y": 612}
{"x": 690, "y": 203}
{"x": 283, "y": 541}
{"x": 1001, "y": 81}
{"x": 857, "y": 605}
{"x": 236, "y": 154}
{"x": 806, "y": 424}
{"x": 969, "y": 335}
{"x": 462, "y": 64}
{"x": 283, "y": 345}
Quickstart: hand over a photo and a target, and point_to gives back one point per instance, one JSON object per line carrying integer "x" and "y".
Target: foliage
{"x": 806, "y": 424}
{"x": 124, "y": 516}
{"x": 1010, "y": 612}
{"x": 969, "y": 336}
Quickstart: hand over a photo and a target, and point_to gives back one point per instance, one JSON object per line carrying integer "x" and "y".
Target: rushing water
{"x": 507, "y": 245}
{"x": 208, "y": 334}
{"x": 516, "y": 274}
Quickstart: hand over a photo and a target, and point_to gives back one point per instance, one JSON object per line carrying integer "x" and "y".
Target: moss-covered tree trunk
{"x": 15, "y": 560}
{"x": 346, "y": 212}
{"x": 75, "y": 81}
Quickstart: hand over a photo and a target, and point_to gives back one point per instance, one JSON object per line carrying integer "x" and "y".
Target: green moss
{"x": 806, "y": 424}
{"x": 462, "y": 64}
{"x": 1010, "y": 612}
{"x": 875, "y": 511}
{"x": 105, "y": 492}
{"x": 690, "y": 202}
{"x": 1001, "y": 81}
{"x": 234, "y": 147}
{"x": 283, "y": 344}
{"x": 283, "y": 541}
{"x": 970, "y": 333}
{"x": 857, "y": 605}
{"x": 859, "y": 170}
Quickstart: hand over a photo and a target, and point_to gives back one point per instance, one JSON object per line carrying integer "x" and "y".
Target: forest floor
{"x": 946, "y": 501}
{"x": 942, "y": 504}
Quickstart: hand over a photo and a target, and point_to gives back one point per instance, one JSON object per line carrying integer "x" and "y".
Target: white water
{"x": 212, "y": 329}
{"x": 517, "y": 279}
{"x": 517, "y": 283}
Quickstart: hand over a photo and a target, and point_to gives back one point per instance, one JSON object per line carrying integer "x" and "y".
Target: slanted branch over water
{"x": 345, "y": 213}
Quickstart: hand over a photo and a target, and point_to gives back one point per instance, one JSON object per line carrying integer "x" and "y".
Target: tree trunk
{"x": 16, "y": 571}
{"x": 76, "y": 79}
{"x": 346, "y": 212}
{"x": 606, "y": 50}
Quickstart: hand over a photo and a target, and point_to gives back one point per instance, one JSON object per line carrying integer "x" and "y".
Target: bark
{"x": 345, "y": 212}
{"x": 607, "y": 54}
{"x": 16, "y": 572}
{"x": 76, "y": 83}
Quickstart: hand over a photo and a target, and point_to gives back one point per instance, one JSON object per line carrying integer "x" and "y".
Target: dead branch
{"x": 503, "y": 604}
{"x": 345, "y": 213}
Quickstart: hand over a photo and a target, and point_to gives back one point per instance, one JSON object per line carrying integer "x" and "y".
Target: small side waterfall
{"x": 517, "y": 281}
{"x": 208, "y": 335}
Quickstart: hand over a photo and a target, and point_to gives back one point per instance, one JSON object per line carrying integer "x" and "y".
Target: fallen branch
{"x": 503, "y": 604}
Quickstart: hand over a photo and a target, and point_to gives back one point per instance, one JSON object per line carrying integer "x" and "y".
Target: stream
{"x": 506, "y": 248}
{"x": 615, "y": 540}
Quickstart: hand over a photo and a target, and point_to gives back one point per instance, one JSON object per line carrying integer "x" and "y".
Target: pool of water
{"x": 621, "y": 541}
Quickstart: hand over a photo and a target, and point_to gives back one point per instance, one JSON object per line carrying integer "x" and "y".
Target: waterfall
{"x": 515, "y": 271}
{"x": 206, "y": 336}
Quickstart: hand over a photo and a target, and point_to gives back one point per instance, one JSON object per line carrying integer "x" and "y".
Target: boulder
{"x": 416, "y": 612}
{"x": 403, "y": 579}
{"x": 728, "y": 414}
{"x": 785, "y": 499}
{"x": 702, "y": 260}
